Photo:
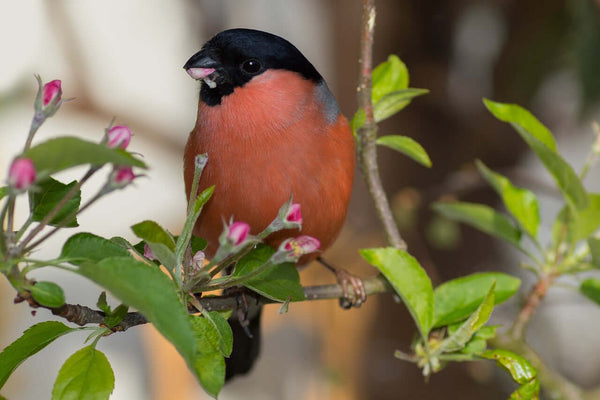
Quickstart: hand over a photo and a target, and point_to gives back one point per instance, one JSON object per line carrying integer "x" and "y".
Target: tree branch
{"x": 367, "y": 134}
{"x": 83, "y": 315}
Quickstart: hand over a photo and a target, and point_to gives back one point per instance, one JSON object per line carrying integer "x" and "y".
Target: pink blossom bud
{"x": 21, "y": 173}
{"x": 238, "y": 233}
{"x": 294, "y": 215}
{"x": 51, "y": 93}
{"x": 148, "y": 253}
{"x": 122, "y": 176}
{"x": 118, "y": 136}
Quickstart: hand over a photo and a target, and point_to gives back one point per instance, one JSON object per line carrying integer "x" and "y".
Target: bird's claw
{"x": 359, "y": 295}
{"x": 344, "y": 278}
{"x": 242, "y": 308}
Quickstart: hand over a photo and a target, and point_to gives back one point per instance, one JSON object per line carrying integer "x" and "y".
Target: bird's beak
{"x": 202, "y": 67}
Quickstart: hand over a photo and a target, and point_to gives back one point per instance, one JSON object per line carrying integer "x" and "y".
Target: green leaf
{"x": 521, "y": 203}
{"x": 277, "y": 282}
{"x": 117, "y": 316}
{"x": 209, "y": 364}
{"x": 590, "y": 288}
{"x": 594, "y": 245}
{"x": 527, "y": 391}
{"x": 481, "y": 217}
{"x": 389, "y": 76}
{"x": 3, "y": 192}
{"x": 102, "y": 303}
{"x": 86, "y": 375}
{"x": 409, "y": 280}
{"x": 407, "y": 146}
{"x": 465, "y": 332}
{"x": 587, "y": 220}
{"x": 571, "y": 226}
{"x": 474, "y": 346}
{"x": 542, "y": 143}
{"x": 522, "y": 119}
{"x": 198, "y": 244}
{"x": 520, "y": 370}
{"x": 33, "y": 340}
{"x": 151, "y": 292}
{"x": 48, "y": 294}
{"x": 51, "y": 192}
{"x": 86, "y": 247}
{"x": 223, "y": 330}
{"x": 65, "y": 152}
{"x": 456, "y": 299}
{"x": 159, "y": 240}
{"x": 358, "y": 120}
{"x": 395, "y": 101}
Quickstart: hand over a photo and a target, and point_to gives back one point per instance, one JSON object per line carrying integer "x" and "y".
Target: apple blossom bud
{"x": 21, "y": 174}
{"x": 48, "y": 99}
{"x": 288, "y": 217}
{"x": 121, "y": 177}
{"x": 234, "y": 237}
{"x": 118, "y": 136}
{"x": 237, "y": 233}
{"x": 148, "y": 253}
{"x": 52, "y": 93}
{"x": 294, "y": 215}
{"x": 290, "y": 250}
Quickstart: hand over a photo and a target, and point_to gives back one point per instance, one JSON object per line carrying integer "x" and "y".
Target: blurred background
{"x": 124, "y": 59}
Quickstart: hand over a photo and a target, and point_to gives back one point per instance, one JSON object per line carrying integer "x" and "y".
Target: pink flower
{"x": 238, "y": 232}
{"x": 122, "y": 176}
{"x": 21, "y": 173}
{"x": 118, "y": 136}
{"x": 301, "y": 245}
{"x": 294, "y": 215}
{"x": 51, "y": 93}
{"x": 290, "y": 250}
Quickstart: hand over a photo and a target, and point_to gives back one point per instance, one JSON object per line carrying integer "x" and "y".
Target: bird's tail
{"x": 246, "y": 345}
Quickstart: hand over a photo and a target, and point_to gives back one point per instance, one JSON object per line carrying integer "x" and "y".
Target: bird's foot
{"x": 345, "y": 278}
{"x": 242, "y": 307}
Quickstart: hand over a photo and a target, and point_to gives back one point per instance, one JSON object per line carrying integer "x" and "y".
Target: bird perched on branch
{"x": 271, "y": 129}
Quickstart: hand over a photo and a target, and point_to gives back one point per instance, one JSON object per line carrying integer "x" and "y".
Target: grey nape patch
{"x": 324, "y": 96}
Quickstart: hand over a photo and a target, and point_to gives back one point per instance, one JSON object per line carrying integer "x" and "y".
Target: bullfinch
{"x": 271, "y": 129}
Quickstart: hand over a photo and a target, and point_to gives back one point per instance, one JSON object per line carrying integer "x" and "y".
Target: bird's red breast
{"x": 275, "y": 136}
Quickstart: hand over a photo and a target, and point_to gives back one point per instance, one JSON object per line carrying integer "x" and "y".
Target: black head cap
{"x": 237, "y": 55}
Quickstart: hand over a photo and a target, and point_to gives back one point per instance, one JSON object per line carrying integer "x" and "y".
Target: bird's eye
{"x": 251, "y": 66}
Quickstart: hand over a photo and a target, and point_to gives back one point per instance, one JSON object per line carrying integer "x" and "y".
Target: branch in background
{"x": 367, "y": 134}
{"x": 83, "y": 315}
{"x": 517, "y": 331}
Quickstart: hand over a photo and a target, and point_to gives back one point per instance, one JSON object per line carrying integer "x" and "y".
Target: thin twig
{"x": 534, "y": 298}
{"x": 367, "y": 134}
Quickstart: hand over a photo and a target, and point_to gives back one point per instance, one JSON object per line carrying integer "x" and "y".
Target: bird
{"x": 271, "y": 129}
